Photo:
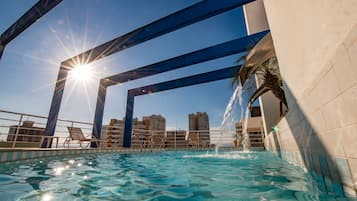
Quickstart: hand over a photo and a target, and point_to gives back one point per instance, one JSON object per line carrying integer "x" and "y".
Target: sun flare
{"x": 82, "y": 73}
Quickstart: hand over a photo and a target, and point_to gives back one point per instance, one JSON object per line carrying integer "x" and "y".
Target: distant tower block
{"x": 199, "y": 123}
{"x": 155, "y": 124}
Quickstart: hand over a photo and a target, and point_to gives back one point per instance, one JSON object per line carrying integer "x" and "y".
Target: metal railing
{"x": 172, "y": 139}
{"x": 20, "y": 130}
{"x": 27, "y": 131}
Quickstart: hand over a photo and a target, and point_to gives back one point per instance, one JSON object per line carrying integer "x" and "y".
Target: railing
{"x": 27, "y": 130}
{"x": 174, "y": 139}
{"x": 19, "y": 130}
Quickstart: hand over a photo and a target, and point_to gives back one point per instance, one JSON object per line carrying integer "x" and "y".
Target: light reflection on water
{"x": 159, "y": 176}
{"x": 223, "y": 155}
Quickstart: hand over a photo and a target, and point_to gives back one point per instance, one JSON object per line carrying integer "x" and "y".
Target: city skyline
{"x": 202, "y": 124}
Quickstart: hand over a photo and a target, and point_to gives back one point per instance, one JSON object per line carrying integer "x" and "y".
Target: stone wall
{"x": 316, "y": 46}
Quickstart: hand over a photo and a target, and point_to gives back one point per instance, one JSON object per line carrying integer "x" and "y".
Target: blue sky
{"x": 30, "y": 63}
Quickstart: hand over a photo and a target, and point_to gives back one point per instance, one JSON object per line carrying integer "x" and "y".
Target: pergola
{"x": 187, "y": 16}
{"x": 210, "y": 53}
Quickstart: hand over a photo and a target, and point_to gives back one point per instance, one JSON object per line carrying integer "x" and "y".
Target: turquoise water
{"x": 159, "y": 176}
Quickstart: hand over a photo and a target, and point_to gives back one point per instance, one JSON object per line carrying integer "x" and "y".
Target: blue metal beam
{"x": 26, "y": 20}
{"x": 187, "y": 16}
{"x": 168, "y": 85}
{"x": 221, "y": 50}
{"x": 177, "y": 20}
{"x": 186, "y": 81}
{"x": 2, "y": 49}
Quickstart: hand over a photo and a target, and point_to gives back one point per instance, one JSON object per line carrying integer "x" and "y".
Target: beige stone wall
{"x": 316, "y": 46}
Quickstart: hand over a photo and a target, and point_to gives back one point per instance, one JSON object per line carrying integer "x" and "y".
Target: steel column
{"x": 56, "y": 103}
{"x": 128, "y": 119}
{"x": 99, "y": 111}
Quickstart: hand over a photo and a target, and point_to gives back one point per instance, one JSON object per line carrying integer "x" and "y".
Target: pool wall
{"x": 316, "y": 47}
{"x": 25, "y": 154}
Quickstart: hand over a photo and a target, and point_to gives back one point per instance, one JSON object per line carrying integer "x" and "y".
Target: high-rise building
{"x": 176, "y": 139}
{"x": 202, "y": 121}
{"x": 255, "y": 130}
{"x": 199, "y": 123}
{"x": 113, "y": 134}
{"x": 155, "y": 123}
{"x": 192, "y": 125}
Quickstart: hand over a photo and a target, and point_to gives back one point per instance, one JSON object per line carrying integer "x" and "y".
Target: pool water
{"x": 183, "y": 175}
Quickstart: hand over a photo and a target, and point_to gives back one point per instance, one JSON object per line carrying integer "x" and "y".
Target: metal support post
{"x": 128, "y": 120}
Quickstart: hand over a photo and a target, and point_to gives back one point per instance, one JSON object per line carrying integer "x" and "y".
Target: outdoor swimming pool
{"x": 182, "y": 175}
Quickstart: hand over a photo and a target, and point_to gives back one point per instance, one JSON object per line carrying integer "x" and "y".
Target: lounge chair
{"x": 157, "y": 141}
{"x": 193, "y": 140}
{"x": 76, "y": 134}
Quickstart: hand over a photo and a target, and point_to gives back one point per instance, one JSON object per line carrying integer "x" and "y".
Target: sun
{"x": 81, "y": 73}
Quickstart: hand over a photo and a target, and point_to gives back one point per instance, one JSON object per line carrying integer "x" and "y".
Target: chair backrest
{"x": 193, "y": 138}
{"x": 76, "y": 133}
{"x": 157, "y": 139}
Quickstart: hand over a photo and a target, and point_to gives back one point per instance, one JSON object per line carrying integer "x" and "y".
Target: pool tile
{"x": 293, "y": 158}
{"x": 4, "y": 156}
{"x": 297, "y": 159}
{"x": 349, "y": 191}
{"x": 9, "y": 156}
{"x": 35, "y": 154}
{"x": 344, "y": 171}
{"x": 288, "y": 156}
{"x": 328, "y": 184}
{"x": 325, "y": 170}
{"x": 18, "y": 156}
{"x": 321, "y": 182}
{"x": 316, "y": 163}
{"x": 28, "y": 155}
{"x": 23, "y": 155}
{"x": 338, "y": 189}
